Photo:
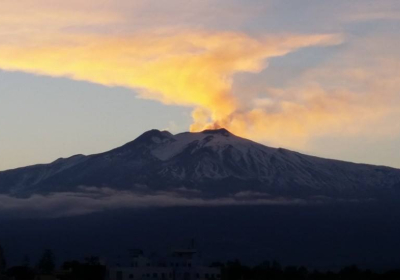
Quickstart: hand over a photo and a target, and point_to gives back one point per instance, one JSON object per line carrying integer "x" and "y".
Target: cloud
{"x": 186, "y": 67}
{"x": 388, "y": 10}
{"x": 93, "y": 199}
{"x": 355, "y": 93}
{"x": 290, "y": 117}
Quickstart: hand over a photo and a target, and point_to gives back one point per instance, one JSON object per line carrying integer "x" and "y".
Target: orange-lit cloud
{"x": 304, "y": 113}
{"x": 190, "y": 67}
{"x": 355, "y": 94}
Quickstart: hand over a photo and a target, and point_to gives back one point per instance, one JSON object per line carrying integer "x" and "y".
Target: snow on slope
{"x": 217, "y": 140}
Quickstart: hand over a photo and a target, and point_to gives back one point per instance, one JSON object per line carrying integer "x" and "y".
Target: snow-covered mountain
{"x": 209, "y": 163}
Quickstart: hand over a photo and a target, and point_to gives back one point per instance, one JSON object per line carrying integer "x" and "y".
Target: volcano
{"x": 211, "y": 163}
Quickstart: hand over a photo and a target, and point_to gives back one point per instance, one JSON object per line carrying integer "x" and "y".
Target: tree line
{"x": 235, "y": 270}
{"x": 89, "y": 269}
{"x": 92, "y": 269}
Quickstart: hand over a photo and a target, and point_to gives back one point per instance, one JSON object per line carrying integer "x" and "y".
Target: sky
{"x": 316, "y": 76}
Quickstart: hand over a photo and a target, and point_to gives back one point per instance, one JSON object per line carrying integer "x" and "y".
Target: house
{"x": 46, "y": 277}
{"x": 181, "y": 264}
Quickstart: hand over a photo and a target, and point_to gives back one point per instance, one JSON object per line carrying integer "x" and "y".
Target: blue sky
{"x": 320, "y": 77}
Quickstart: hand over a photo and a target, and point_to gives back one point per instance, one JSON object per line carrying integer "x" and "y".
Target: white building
{"x": 180, "y": 265}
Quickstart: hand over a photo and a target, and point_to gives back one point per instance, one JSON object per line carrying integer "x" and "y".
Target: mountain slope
{"x": 209, "y": 163}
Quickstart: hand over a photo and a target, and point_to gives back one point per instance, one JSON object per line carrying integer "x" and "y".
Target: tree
{"x": 26, "y": 261}
{"x": 20, "y": 273}
{"x": 92, "y": 260}
{"x": 90, "y": 270}
{"x": 2, "y": 261}
{"x": 46, "y": 264}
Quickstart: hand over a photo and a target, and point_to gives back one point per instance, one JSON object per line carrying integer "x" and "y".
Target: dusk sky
{"x": 316, "y": 76}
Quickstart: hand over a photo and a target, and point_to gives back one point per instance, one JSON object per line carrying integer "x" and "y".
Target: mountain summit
{"x": 210, "y": 163}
